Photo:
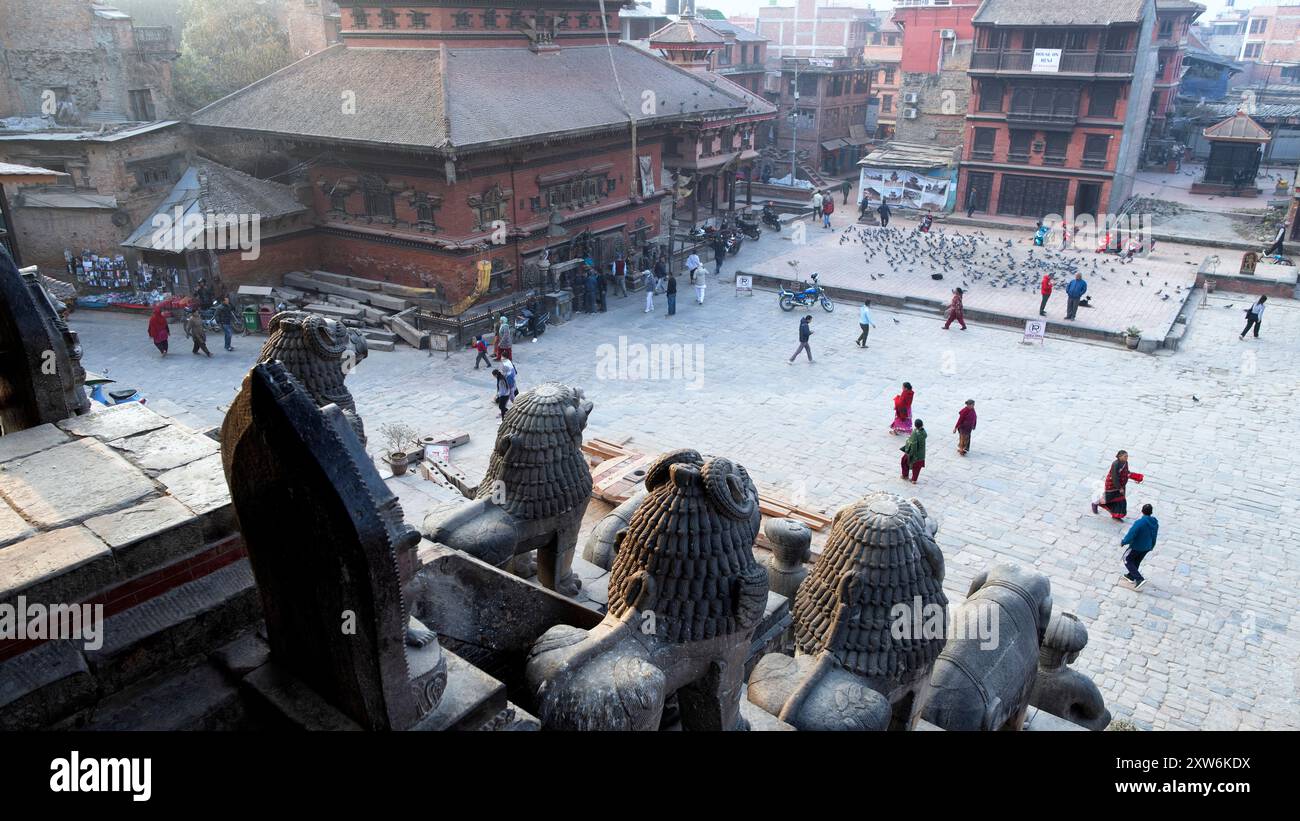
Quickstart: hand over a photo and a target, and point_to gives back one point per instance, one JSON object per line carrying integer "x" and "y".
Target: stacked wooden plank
{"x": 379, "y": 310}
{"x": 618, "y": 471}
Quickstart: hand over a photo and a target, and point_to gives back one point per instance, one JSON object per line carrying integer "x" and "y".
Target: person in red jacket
{"x": 965, "y": 424}
{"x": 1046, "y": 290}
{"x": 828, "y": 208}
{"x": 158, "y": 331}
{"x": 1114, "y": 499}
{"x": 955, "y": 312}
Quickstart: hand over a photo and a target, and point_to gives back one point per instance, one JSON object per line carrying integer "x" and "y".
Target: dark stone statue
{"x": 983, "y": 677}
{"x": 535, "y": 492}
{"x": 685, "y": 595}
{"x": 869, "y": 621}
{"x": 1063, "y": 691}
{"x": 791, "y": 547}
{"x": 41, "y": 378}
{"x": 325, "y": 538}
{"x": 320, "y": 353}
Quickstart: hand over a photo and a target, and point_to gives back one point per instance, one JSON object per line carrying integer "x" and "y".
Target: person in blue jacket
{"x": 1074, "y": 292}
{"x": 1139, "y": 541}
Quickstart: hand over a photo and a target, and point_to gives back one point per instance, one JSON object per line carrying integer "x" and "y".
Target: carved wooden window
{"x": 339, "y": 201}
{"x": 982, "y": 148}
{"x": 584, "y": 21}
{"x": 387, "y": 19}
{"x": 577, "y": 193}
{"x": 460, "y": 20}
{"x": 419, "y": 20}
{"x": 517, "y": 20}
{"x": 424, "y": 211}
{"x": 359, "y": 19}
{"x": 379, "y": 200}
{"x": 991, "y": 92}
{"x": 1102, "y": 102}
{"x": 490, "y": 18}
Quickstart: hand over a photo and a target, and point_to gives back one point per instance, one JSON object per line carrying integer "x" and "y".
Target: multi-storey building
{"x": 935, "y": 90}
{"x": 1174, "y": 19}
{"x": 1272, "y": 34}
{"x": 884, "y": 50}
{"x": 1059, "y": 96}
{"x": 810, "y": 29}
{"x": 1225, "y": 32}
{"x": 824, "y": 108}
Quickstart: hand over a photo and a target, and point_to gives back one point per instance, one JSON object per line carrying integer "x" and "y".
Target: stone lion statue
{"x": 535, "y": 492}
{"x": 685, "y": 595}
{"x": 319, "y": 352}
{"x": 1061, "y": 690}
{"x": 869, "y": 621}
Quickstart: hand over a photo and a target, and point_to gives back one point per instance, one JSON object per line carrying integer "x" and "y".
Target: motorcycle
{"x": 749, "y": 227}
{"x": 531, "y": 322}
{"x": 734, "y": 240}
{"x": 108, "y": 397}
{"x": 771, "y": 220}
{"x": 810, "y": 296}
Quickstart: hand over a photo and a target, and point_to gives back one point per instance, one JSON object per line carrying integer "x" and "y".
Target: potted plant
{"x": 1131, "y": 336}
{"x": 397, "y": 436}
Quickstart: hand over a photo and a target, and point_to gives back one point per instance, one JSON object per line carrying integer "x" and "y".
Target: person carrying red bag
{"x": 1114, "y": 499}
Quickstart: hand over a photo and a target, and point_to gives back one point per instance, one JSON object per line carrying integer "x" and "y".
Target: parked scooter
{"x": 770, "y": 218}
{"x": 749, "y": 227}
{"x": 106, "y": 396}
{"x": 810, "y": 296}
{"x": 531, "y": 322}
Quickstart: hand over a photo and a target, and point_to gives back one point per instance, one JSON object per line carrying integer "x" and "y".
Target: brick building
{"x": 1058, "y": 103}
{"x": 934, "y": 89}
{"x": 828, "y": 98}
{"x": 114, "y": 178}
{"x": 1271, "y": 35}
{"x": 312, "y": 25}
{"x": 82, "y": 63}
{"x": 812, "y": 29}
{"x": 716, "y": 153}
{"x": 1174, "y": 19}
{"x": 439, "y": 135}
{"x": 884, "y": 50}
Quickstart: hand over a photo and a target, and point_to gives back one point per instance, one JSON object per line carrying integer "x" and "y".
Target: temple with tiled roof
{"x": 441, "y": 133}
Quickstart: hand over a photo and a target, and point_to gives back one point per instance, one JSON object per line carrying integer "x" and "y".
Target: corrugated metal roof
{"x": 894, "y": 154}
{"x": 65, "y": 199}
{"x": 1238, "y": 128}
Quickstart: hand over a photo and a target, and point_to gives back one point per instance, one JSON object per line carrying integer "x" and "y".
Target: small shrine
{"x": 1236, "y": 146}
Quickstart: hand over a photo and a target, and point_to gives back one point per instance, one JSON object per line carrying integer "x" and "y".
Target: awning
{"x": 58, "y": 199}
{"x": 833, "y": 145}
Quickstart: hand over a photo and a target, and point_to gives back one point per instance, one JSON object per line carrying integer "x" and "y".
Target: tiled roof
{"x": 687, "y": 31}
{"x": 1238, "y": 128}
{"x": 227, "y": 192}
{"x": 743, "y": 35}
{"x": 446, "y": 99}
{"x": 1073, "y": 13}
{"x": 1172, "y": 5}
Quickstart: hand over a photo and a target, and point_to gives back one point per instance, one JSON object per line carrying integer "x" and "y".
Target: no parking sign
{"x": 1035, "y": 331}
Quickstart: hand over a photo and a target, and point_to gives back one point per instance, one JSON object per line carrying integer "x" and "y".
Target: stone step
{"x": 195, "y": 697}
{"x": 183, "y": 622}
{"x": 381, "y": 335}
{"x": 380, "y": 345}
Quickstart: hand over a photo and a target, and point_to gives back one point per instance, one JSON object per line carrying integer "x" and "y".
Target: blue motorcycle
{"x": 98, "y": 393}
{"x": 806, "y": 298}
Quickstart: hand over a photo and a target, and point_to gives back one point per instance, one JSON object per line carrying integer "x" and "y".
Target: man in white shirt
{"x": 864, "y": 322}
{"x": 817, "y": 205}
{"x": 1276, "y": 247}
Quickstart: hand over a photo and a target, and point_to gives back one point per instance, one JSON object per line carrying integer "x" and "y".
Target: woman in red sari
{"x": 955, "y": 311}
{"x": 902, "y": 411}
{"x": 158, "y": 329}
{"x": 1114, "y": 499}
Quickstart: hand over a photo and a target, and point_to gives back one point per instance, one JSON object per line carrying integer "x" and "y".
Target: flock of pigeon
{"x": 968, "y": 259}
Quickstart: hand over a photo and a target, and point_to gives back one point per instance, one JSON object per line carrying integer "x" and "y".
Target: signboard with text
{"x": 744, "y": 285}
{"x": 1047, "y": 59}
{"x": 1035, "y": 331}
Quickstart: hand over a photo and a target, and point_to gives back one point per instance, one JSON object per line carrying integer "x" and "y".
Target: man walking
{"x": 846, "y": 187}
{"x": 805, "y": 333}
{"x": 701, "y": 282}
{"x": 1073, "y": 293}
{"x": 1254, "y": 315}
{"x": 883, "y": 211}
{"x": 1046, "y": 290}
{"x": 864, "y": 322}
{"x": 590, "y": 288}
{"x": 225, "y": 317}
{"x": 972, "y": 197}
{"x": 602, "y": 285}
{"x": 1139, "y": 541}
{"x": 198, "y": 334}
{"x": 620, "y": 275}
{"x": 719, "y": 254}
{"x": 671, "y": 293}
{"x": 817, "y": 205}
{"x": 656, "y": 280}
{"x": 828, "y": 208}
{"x": 965, "y": 424}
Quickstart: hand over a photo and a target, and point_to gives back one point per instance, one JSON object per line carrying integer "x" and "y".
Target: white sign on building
{"x": 1047, "y": 59}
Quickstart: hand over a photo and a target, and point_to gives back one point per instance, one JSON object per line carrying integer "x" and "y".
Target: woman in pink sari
{"x": 902, "y": 411}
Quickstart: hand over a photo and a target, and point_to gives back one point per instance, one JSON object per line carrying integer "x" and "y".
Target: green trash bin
{"x": 250, "y": 319}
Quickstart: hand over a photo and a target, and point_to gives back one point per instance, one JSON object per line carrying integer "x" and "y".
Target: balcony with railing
{"x": 1043, "y": 120}
{"x": 153, "y": 39}
{"x": 1017, "y": 61}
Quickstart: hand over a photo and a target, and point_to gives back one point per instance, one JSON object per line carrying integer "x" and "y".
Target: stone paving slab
{"x": 114, "y": 422}
{"x": 149, "y": 534}
{"x": 200, "y": 485}
{"x": 163, "y": 449}
{"x": 1213, "y": 639}
{"x": 71, "y": 482}
{"x": 56, "y": 567}
{"x": 26, "y": 442}
{"x": 12, "y": 526}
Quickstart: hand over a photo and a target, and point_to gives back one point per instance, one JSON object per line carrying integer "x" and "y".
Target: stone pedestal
{"x": 559, "y": 304}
